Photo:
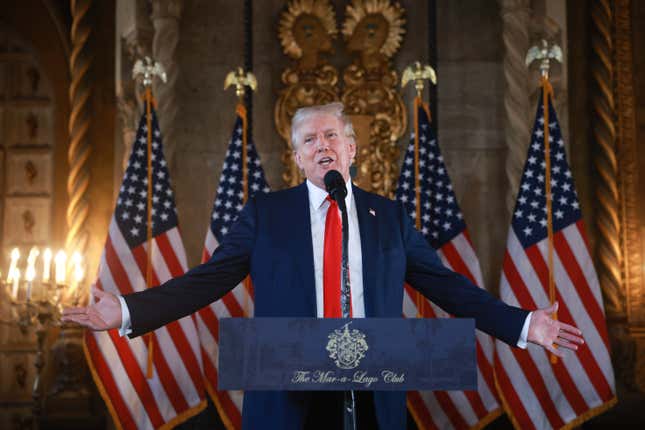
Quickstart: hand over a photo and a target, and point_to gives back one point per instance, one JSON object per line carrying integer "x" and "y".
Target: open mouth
{"x": 325, "y": 161}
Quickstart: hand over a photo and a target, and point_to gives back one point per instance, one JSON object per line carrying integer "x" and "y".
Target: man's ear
{"x": 298, "y": 159}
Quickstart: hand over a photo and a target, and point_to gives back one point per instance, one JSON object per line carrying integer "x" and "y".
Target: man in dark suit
{"x": 280, "y": 240}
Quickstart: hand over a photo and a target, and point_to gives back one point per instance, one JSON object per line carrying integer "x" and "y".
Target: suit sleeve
{"x": 455, "y": 293}
{"x": 201, "y": 285}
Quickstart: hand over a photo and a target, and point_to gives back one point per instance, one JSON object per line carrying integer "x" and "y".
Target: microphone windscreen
{"x": 335, "y": 184}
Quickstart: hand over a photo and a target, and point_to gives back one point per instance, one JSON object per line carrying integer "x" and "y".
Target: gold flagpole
{"x": 545, "y": 54}
{"x": 418, "y": 73}
{"x": 241, "y": 80}
{"x": 148, "y": 69}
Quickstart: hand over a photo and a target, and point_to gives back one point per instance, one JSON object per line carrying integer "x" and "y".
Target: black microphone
{"x": 335, "y": 185}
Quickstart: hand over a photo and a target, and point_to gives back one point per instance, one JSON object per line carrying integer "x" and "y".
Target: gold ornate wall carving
{"x": 628, "y": 162}
{"x": 306, "y": 31}
{"x": 373, "y": 30}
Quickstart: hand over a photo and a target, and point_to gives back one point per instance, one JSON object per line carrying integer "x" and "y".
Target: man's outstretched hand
{"x": 545, "y": 331}
{"x": 104, "y": 314}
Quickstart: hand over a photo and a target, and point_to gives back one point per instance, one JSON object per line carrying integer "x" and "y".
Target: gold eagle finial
{"x": 545, "y": 54}
{"x": 240, "y": 80}
{"x": 418, "y": 73}
{"x": 148, "y": 68}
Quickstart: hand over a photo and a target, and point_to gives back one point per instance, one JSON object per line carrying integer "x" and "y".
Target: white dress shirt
{"x": 318, "y": 206}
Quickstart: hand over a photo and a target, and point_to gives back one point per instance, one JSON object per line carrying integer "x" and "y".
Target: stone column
{"x": 165, "y": 19}
{"x": 516, "y": 19}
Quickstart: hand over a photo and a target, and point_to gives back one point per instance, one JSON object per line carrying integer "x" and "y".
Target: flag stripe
{"x": 176, "y": 389}
{"x": 131, "y": 366}
{"x": 586, "y": 358}
{"x": 419, "y": 407}
{"x": 517, "y": 405}
{"x": 579, "y": 281}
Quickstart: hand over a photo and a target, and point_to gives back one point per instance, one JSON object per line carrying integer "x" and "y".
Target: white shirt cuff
{"x": 126, "y": 326}
{"x": 522, "y": 342}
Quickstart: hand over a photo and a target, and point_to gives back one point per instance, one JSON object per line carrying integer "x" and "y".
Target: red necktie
{"x": 331, "y": 262}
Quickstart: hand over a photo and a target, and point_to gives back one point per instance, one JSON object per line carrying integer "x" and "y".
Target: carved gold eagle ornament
{"x": 240, "y": 80}
{"x": 148, "y": 68}
{"x": 418, "y": 73}
{"x": 545, "y": 54}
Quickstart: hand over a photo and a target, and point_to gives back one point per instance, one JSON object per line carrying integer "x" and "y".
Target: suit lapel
{"x": 369, "y": 245}
{"x": 300, "y": 239}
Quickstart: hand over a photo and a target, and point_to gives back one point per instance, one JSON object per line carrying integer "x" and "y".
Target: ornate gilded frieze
{"x": 306, "y": 31}
{"x": 373, "y": 30}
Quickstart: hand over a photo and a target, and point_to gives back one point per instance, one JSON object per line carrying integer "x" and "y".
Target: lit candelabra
{"x": 36, "y": 301}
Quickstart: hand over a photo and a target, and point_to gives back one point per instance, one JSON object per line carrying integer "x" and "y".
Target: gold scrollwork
{"x": 373, "y": 30}
{"x": 307, "y": 28}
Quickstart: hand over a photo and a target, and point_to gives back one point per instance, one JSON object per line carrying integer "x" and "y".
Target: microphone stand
{"x": 349, "y": 401}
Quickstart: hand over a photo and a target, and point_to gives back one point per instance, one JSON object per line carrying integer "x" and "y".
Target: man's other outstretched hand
{"x": 545, "y": 331}
{"x": 103, "y": 314}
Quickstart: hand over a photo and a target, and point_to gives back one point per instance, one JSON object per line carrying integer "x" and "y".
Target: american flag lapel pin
{"x": 372, "y": 212}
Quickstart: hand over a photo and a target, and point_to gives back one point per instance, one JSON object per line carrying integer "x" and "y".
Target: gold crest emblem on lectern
{"x": 347, "y": 347}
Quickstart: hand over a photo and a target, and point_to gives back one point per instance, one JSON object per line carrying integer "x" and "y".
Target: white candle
{"x": 30, "y": 274}
{"x": 15, "y": 255}
{"x": 16, "y": 282}
{"x": 77, "y": 262}
{"x": 59, "y": 262}
{"x": 47, "y": 260}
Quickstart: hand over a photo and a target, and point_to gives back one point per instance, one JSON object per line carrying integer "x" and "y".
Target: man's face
{"x": 322, "y": 146}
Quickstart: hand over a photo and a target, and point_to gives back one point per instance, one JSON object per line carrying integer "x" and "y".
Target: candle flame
{"x": 59, "y": 261}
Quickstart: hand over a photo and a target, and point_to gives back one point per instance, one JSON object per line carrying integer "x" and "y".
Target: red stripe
{"x": 486, "y": 370}
{"x": 579, "y": 281}
{"x": 178, "y": 337}
{"x": 137, "y": 378}
{"x": 107, "y": 380}
{"x": 169, "y": 256}
{"x": 210, "y": 321}
{"x": 516, "y": 406}
{"x": 234, "y": 308}
{"x": 564, "y": 314}
{"x": 121, "y": 280}
{"x": 418, "y": 405}
{"x": 183, "y": 347}
{"x": 457, "y": 263}
{"x": 473, "y": 397}
{"x": 140, "y": 254}
{"x": 167, "y": 378}
{"x": 523, "y": 358}
{"x": 450, "y": 410}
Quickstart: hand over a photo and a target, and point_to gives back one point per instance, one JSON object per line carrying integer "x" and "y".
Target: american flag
{"x": 229, "y": 200}
{"x": 118, "y": 364}
{"x": 538, "y": 394}
{"x": 442, "y": 223}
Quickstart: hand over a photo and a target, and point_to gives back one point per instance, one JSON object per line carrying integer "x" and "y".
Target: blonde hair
{"x": 334, "y": 109}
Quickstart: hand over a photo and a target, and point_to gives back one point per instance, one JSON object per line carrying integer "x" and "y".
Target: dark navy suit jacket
{"x": 272, "y": 241}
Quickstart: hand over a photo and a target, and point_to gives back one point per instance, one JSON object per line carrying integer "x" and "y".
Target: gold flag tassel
{"x": 240, "y": 80}
{"x": 147, "y": 68}
{"x": 150, "y": 336}
{"x": 241, "y": 111}
{"x": 547, "y": 91}
{"x": 418, "y": 73}
{"x": 544, "y": 54}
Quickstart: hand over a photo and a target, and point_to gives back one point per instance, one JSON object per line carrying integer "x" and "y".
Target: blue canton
{"x": 441, "y": 218}
{"x": 529, "y": 217}
{"x": 229, "y": 198}
{"x": 131, "y": 212}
